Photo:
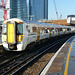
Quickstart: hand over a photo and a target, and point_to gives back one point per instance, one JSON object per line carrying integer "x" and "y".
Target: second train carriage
{"x": 17, "y": 34}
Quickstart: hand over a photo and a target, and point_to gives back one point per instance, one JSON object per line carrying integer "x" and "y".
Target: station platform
{"x": 63, "y": 62}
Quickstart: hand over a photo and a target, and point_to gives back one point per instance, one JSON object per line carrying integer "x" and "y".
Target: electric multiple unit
{"x": 18, "y": 34}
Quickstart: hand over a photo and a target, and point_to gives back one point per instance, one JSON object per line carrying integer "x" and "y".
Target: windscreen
{"x": 4, "y": 29}
{"x": 19, "y": 29}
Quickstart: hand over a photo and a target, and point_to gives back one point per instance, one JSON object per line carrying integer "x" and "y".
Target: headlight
{"x": 19, "y": 38}
{"x": 4, "y": 37}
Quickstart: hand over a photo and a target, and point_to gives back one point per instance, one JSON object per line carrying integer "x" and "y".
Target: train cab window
{"x": 4, "y": 29}
{"x": 19, "y": 29}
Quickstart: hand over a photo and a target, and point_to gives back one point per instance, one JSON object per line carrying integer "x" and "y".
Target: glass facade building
{"x": 18, "y": 9}
{"x": 38, "y": 9}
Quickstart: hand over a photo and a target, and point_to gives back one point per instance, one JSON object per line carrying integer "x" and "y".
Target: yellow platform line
{"x": 67, "y": 61}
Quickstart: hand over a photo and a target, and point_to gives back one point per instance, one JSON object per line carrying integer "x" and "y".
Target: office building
{"x": 18, "y": 9}
{"x": 38, "y": 9}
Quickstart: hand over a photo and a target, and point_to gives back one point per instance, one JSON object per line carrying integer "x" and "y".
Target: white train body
{"x": 18, "y": 34}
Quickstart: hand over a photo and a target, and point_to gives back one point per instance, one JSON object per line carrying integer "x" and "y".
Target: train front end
{"x": 12, "y": 35}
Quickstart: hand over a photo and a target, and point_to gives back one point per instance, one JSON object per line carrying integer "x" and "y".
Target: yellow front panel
{"x": 11, "y": 33}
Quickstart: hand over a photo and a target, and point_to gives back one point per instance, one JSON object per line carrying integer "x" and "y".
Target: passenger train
{"x": 18, "y": 34}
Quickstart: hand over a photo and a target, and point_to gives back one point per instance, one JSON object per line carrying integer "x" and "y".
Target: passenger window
{"x": 46, "y": 31}
{"x": 38, "y": 30}
{"x": 34, "y": 29}
{"x": 52, "y": 30}
{"x": 56, "y": 30}
{"x": 41, "y": 31}
{"x": 28, "y": 29}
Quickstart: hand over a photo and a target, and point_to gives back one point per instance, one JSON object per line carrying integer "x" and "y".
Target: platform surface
{"x": 64, "y": 62}
{"x": 70, "y": 61}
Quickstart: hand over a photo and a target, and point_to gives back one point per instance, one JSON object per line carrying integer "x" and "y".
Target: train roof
{"x": 13, "y": 19}
{"x": 47, "y": 24}
{"x": 36, "y": 23}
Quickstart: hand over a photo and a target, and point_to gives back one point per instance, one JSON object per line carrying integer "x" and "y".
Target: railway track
{"x": 33, "y": 68}
{"x": 7, "y": 56}
{"x": 13, "y": 66}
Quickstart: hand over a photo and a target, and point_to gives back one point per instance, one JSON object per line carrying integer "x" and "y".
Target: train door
{"x": 38, "y": 33}
{"x": 32, "y": 33}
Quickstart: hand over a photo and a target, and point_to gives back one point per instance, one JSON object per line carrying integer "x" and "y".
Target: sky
{"x": 64, "y": 8}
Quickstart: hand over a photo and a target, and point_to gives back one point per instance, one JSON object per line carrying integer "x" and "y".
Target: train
{"x": 71, "y": 19}
{"x": 17, "y": 34}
